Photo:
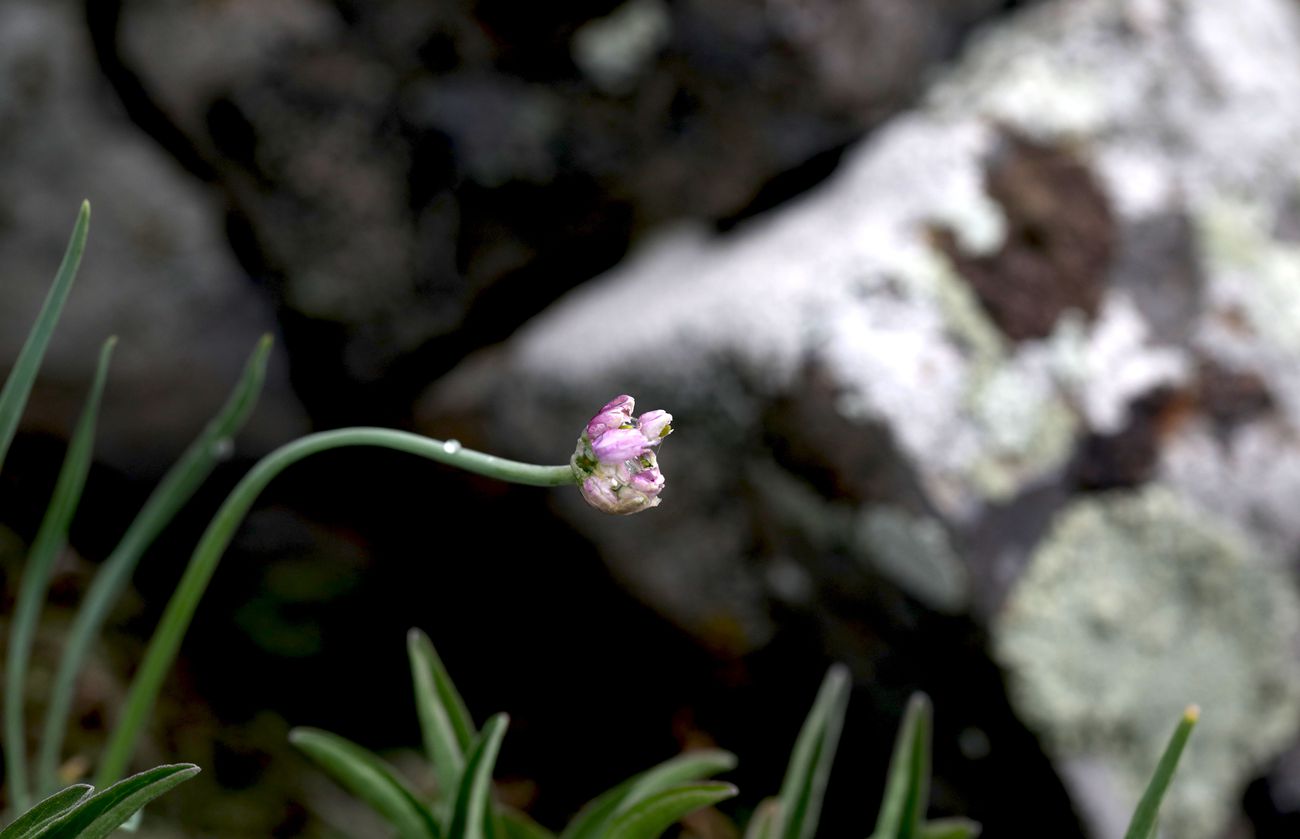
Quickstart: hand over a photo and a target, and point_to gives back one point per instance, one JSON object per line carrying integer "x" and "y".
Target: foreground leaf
{"x": 810, "y": 763}
{"x": 50, "y": 541}
{"x": 649, "y": 818}
{"x": 18, "y": 386}
{"x": 763, "y": 824}
{"x": 951, "y": 829}
{"x": 173, "y": 492}
{"x": 369, "y": 778}
{"x": 472, "y": 816}
{"x": 445, "y": 722}
{"x": 907, "y": 787}
{"x": 691, "y": 766}
{"x": 1145, "y": 817}
{"x": 516, "y": 825}
{"x": 104, "y": 812}
{"x": 31, "y": 823}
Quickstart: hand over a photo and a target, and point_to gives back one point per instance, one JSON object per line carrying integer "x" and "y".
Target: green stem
{"x": 180, "y": 609}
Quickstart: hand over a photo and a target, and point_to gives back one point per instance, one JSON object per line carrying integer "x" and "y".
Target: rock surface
{"x": 490, "y": 157}
{"x": 156, "y": 271}
{"x": 1071, "y": 269}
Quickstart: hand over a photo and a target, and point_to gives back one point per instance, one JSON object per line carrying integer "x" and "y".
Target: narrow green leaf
{"x": 956, "y": 828}
{"x": 763, "y": 824}
{"x": 31, "y": 823}
{"x": 176, "y": 489}
{"x": 369, "y": 778}
{"x": 104, "y": 812}
{"x": 907, "y": 787}
{"x": 1143, "y": 825}
{"x": 517, "y": 825}
{"x": 810, "y": 762}
{"x": 18, "y": 386}
{"x": 691, "y": 766}
{"x": 472, "y": 814}
{"x": 649, "y": 818}
{"x": 50, "y": 541}
{"x": 445, "y": 722}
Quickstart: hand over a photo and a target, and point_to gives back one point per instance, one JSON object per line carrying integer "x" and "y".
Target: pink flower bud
{"x": 619, "y": 445}
{"x": 615, "y": 460}
{"x": 617, "y": 413}
{"x": 655, "y": 425}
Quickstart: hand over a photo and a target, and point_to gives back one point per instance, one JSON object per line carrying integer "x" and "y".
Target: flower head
{"x": 615, "y": 461}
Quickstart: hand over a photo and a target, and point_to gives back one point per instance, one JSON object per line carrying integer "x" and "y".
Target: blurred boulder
{"x": 1071, "y": 268}
{"x": 404, "y": 172}
{"x": 157, "y": 271}
{"x": 1135, "y": 606}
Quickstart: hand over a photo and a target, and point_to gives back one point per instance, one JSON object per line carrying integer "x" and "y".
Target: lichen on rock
{"x": 1135, "y": 606}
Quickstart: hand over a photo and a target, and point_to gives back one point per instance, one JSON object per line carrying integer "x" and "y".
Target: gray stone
{"x": 157, "y": 271}
{"x": 1136, "y": 606}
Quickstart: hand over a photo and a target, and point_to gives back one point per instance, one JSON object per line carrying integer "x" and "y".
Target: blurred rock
{"x": 1134, "y": 607}
{"x": 156, "y": 272}
{"x": 1071, "y": 268}
{"x": 403, "y": 171}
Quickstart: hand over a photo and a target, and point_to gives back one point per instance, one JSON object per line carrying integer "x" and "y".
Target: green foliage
{"x": 648, "y": 819}
{"x": 800, "y": 801}
{"x": 173, "y": 492}
{"x": 369, "y": 778}
{"x": 462, "y": 759}
{"x": 79, "y": 812}
{"x": 50, "y": 541}
{"x": 75, "y": 811}
{"x": 18, "y": 385}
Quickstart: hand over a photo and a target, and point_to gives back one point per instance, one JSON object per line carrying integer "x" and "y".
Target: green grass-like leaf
{"x": 445, "y": 722}
{"x": 18, "y": 386}
{"x": 956, "y": 828}
{"x": 692, "y": 766}
{"x": 369, "y": 778}
{"x": 50, "y": 540}
{"x": 172, "y": 493}
{"x": 907, "y": 787}
{"x": 800, "y": 801}
{"x": 35, "y": 820}
{"x": 472, "y": 815}
{"x": 763, "y": 824}
{"x": 104, "y": 812}
{"x": 649, "y": 818}
{"x": 1147, "y": 814}
{"x": 516, "y": 825}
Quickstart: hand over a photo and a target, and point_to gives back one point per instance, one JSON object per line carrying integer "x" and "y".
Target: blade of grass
{"x": 176, "y": 489}
{"x": 106, "y": 811}
{"x": 902, "y": 810}
{"x": 1143, "y": 825}
{"x": 810, "y": 763}
{"x": 369, "y": 778}
{"x": 956, "y": 828}
{"x": 445, "y": 722}
{"x": 35, "y": 820}
{"x": 18, "y": 386}
{"x": 762, "y": 825}
{"x": 472, "y": 815}
{"x": 691, "y": 766}
{"x": 648, "y": 819}
{"x": 50, "y": 540}
{"x": 517, "y": 826}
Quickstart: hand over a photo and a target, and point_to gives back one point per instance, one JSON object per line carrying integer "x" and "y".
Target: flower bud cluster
{"x": 615, "y": 460}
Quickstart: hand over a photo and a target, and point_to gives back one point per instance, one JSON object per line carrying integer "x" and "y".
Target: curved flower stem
{"x": 180, "y": 609}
